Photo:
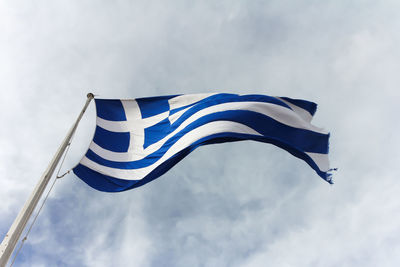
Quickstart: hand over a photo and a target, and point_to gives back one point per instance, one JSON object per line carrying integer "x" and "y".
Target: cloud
{"x": 241, "y": 204}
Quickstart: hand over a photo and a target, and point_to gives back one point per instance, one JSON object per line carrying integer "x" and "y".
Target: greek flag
{"x": 138, "y": 140}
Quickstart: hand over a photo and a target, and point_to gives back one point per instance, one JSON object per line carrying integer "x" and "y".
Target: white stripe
{"x": 114, "y": 126}
{"x": 174, "y": 117}
{"x": 117, "y": 156}
{"x": 279, "y": 113}
{"x": 321, "y": 160}
{"x": 304, "y": 114}
{"x": 131, "y": 124}
{"x": 182, "y": 143}
{"x": 184, "y": 100}
{"x": 134, "y": 116}
{"x": 150, "y": 121}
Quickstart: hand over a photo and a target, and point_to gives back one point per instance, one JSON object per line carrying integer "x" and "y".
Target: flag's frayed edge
{"x": 329, "y": 175}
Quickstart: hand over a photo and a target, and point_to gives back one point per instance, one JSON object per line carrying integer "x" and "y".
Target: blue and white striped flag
{"x": 136, "y": 141}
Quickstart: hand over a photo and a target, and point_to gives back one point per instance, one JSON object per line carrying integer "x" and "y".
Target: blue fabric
{"x": 296, "y": 141}
{"x": 151, "y": 106}
{"x": 111, "y": 110}
{"x": 116, "y": 142}
{"x": 156, "y": 132}
{"x": 110, "y": 184}
{"x": 307, "y": 105}
{"x": 102, "y": 182}
{"x": 302, "y": 140}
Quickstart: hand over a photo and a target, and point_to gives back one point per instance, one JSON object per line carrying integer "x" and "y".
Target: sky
{"x": 234, "y": 204}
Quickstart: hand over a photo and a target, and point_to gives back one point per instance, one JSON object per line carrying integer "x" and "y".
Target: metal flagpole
{"x": 13, "y": 235}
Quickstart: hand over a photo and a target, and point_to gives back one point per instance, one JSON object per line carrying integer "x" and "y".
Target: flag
{"x": 138, "y": 140}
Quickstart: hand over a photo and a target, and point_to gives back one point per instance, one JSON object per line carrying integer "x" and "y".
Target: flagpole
{"x": 10, "y": 240}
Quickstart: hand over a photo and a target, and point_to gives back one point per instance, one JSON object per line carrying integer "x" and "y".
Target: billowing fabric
{"x": 138, "y": 140}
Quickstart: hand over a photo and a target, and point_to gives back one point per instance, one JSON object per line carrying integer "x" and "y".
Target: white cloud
{"x": 242, "y": 204}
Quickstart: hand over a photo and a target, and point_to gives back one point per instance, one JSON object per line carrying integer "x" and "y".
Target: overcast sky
{"x": 235, "y": 204}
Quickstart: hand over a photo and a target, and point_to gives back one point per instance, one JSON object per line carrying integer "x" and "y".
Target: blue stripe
{"x": 161, "y": 130}
{"x": 175, "y": 110}
{"x": 100, "y": 181}
{"x": 120, "y": 142}
{"x": 111, "y": 110}
{"x": 227, "y": 98}
{"x": 311, "y": 107}
{"x": 223, "y": 99}
{"x": 110, "y": 184}
{"x": 117, "y": 142}
{"x": 156, "y": 132}
{"x": 299, "y": 139}
{"x": 151, "y": 106}
{"x": 295, "y": 141}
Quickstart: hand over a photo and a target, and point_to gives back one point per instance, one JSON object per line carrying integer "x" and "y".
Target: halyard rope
{"x": 43, "y": 202}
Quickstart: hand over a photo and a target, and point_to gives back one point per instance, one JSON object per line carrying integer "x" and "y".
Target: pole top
{"x": 90, "y": 95}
